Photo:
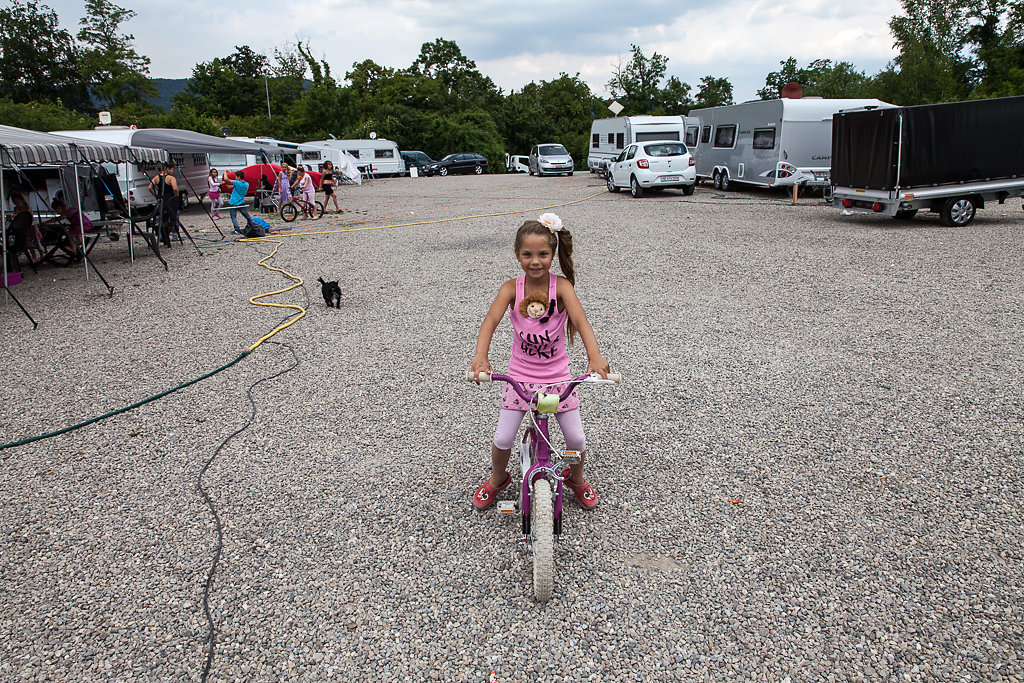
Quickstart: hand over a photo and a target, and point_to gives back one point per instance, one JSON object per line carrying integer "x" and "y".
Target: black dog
{"x": 331, "y": 292}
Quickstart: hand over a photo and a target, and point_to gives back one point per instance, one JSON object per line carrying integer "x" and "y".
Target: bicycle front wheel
{"x": 542, "y": 526}
{"x": 289, "y": 213}
{"x": 319, "y": 210}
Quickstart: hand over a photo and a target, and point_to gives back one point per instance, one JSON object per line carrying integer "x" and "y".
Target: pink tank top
{"x": 538, "y": 345}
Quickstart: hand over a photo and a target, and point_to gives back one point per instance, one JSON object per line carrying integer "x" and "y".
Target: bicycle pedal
{"x": 571, "y": 457}
{"x": 506, "y": 507}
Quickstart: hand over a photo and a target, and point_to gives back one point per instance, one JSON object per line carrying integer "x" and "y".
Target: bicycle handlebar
{"x": 486, "y": 377}
{"x": 570, "y": 384}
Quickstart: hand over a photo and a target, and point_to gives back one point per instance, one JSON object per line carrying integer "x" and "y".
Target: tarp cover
{"x": 942, "y": 144}
{"x": 190, "y": 142}
{"x": 21, "y": 147}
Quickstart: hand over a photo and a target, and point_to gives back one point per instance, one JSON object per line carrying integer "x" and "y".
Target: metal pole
{"x": 3, "y": 221}
{"x": 267, "y": 86}
{"x": 128, "y": 205}
{"x": 81, "y": 218}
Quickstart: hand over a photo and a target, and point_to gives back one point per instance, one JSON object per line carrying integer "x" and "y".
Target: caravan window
{"x": 644, "y": 137}
{"x": 620, "y": 140}
{"x": 705, "y": 135}
{"x": 384, "y": 154}
{"x": 353, "y": 152}
{"x": 597, "y": 141}
{"x": 691, "y": 136}
{"x": 764, "y": 138}
{"x": 725, "y": 136}
{"x": 611, "y": 139}
{"x": 311, "y": 156}
{"x": 227, "y": 160}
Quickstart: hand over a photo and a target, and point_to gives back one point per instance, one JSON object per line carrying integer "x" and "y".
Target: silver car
{"x": 550, "y": 158}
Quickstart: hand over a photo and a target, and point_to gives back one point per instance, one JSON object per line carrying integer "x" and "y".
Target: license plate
{"x": 669, "y": 178}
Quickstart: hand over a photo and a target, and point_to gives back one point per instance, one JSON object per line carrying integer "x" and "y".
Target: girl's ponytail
{"x": 568, "y": 270}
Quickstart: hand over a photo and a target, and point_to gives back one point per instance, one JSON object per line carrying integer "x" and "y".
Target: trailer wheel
{"x": 723, "y": 181}
{"x": 905, "y": 214}
{"x": 957, "y": 212}
{"x": 716, "y": 180}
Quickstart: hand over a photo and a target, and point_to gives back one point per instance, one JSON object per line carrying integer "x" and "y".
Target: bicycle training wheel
{"x": 289, "y": 213}
{"x": 542, "y": 532}
{"x": 319, "y": 210}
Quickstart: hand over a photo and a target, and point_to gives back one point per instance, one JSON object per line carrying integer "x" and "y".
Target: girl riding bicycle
{"x": 544, "y": 310}
{"x": 304, "y": 186}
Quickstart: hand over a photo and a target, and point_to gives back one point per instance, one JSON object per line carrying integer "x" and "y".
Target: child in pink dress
{"x": 539, "y": 355}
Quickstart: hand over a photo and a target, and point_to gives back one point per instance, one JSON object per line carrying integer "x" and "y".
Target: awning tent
{"x": 20, "y": 147}
{"x": 174, "y": 141}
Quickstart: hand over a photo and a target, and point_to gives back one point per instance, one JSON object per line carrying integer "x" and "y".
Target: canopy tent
{"x": 174, "y": 141}
{"x": 20, "y": 147}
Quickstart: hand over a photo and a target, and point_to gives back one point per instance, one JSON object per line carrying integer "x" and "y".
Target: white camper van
{"x": 230, "y": 162}
{"x": 192, "y": 174}
{"x": 768, "y": 143}
{"x": 378, "y": 157}
{"x": 608, "y": 137}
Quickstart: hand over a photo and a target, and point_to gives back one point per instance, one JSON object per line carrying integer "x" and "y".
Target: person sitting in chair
{"x": 23, "y": 236}
{"x": 71, "y": 240}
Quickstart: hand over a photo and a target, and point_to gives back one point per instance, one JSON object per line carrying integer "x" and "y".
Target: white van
{"x": 608, "y": 137}
{"x": 378, "y": 157}
{"x": 192, "y": 169}
{"x": 229, "y": 163}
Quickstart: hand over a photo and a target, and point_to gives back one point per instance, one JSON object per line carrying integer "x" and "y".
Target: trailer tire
{"x": 716, "y": 180}
{"x": 905, "y": 214}
{"x": 723, "y": 181}
{"x": 957, "y": 212}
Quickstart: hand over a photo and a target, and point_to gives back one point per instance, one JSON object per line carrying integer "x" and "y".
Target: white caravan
{"x": 379, "y": 157}
{"x": 767, "y": 143}
{"x": 608, "y": 137}
{"x": 192, "y": 169}
{"x": 230, "y": 162}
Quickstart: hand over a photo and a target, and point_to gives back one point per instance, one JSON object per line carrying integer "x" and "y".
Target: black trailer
{"x": 947, "y": 158}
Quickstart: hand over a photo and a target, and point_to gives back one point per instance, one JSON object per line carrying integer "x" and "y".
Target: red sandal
{"x": 486, "y": 495}
{"x": 585, "y": 494}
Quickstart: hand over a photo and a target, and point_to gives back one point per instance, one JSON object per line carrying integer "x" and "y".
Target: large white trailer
{"x": 608, "y": 137}
{"x": 767, "y": 143}
{"x": 376, "y": 157}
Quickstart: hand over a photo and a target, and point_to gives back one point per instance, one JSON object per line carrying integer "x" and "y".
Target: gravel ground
{"x": 854, "y": 382}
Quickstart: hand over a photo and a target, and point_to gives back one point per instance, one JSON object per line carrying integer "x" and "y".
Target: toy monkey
{"x": 536, "y": 306}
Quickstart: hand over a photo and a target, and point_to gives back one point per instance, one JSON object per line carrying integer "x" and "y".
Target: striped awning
{"x": 20, "y": 147}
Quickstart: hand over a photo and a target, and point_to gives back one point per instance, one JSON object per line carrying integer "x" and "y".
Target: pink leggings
{"x": 569, "y": 421}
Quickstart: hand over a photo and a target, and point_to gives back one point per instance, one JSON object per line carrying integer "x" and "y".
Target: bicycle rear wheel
{"x": 542, "y": 534}
{"x": 319, "y": 210}
{"x": 289, "y": 212}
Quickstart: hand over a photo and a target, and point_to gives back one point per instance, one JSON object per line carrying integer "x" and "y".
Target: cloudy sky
{"x": 524, "y": 40}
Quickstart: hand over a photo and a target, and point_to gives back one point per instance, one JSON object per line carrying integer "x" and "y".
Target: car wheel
{"x": 478, "y": 169}
{"x": 957, "y": 212}
{"x": 569, "y": 173}
{"x": 611, "y": 185}
{"x": 443, "y": 171}
{"x": 688, "y": 189}
{"x": 635, "y": 189}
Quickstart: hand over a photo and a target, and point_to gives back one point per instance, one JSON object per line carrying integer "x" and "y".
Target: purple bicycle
{"x": 541, "y": 465}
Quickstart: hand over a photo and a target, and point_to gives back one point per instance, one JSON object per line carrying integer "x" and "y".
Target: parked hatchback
{"x": 550, "y": 158}
{"x": 465, "y": 162}
{"x": 654, "y": 165}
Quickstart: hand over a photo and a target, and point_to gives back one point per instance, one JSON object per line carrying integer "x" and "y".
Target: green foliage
{"x": 468, "y": 131}
{"x": 635, "y": 84}
{"x": 821, "y": 78}
{"x": 115, "y": 72}
{"x": 462, "y": 86}
{"x": 713, "y": 92}
{"x": 42, "y": 115}
{"x": 239, "y": 84}
{"x": 38, "y": 59}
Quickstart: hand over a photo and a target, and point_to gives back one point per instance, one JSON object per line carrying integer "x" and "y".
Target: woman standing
{"x": 327, "y": 185}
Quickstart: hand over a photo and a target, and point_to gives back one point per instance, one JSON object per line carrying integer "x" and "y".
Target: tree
{"x": 713, "y": 92}
{"x": 637, "y": 81}
{"x": 462, "y": 86}
{"x": 674, "y": 98}
{"x": 116, "y": 73}
{"x": 38, "y": 59}
{"x": 821, "y": 78}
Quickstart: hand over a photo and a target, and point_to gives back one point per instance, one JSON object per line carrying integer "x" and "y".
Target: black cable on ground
{"x": 121, "y": 410}
{"x": 211, "y": 641}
